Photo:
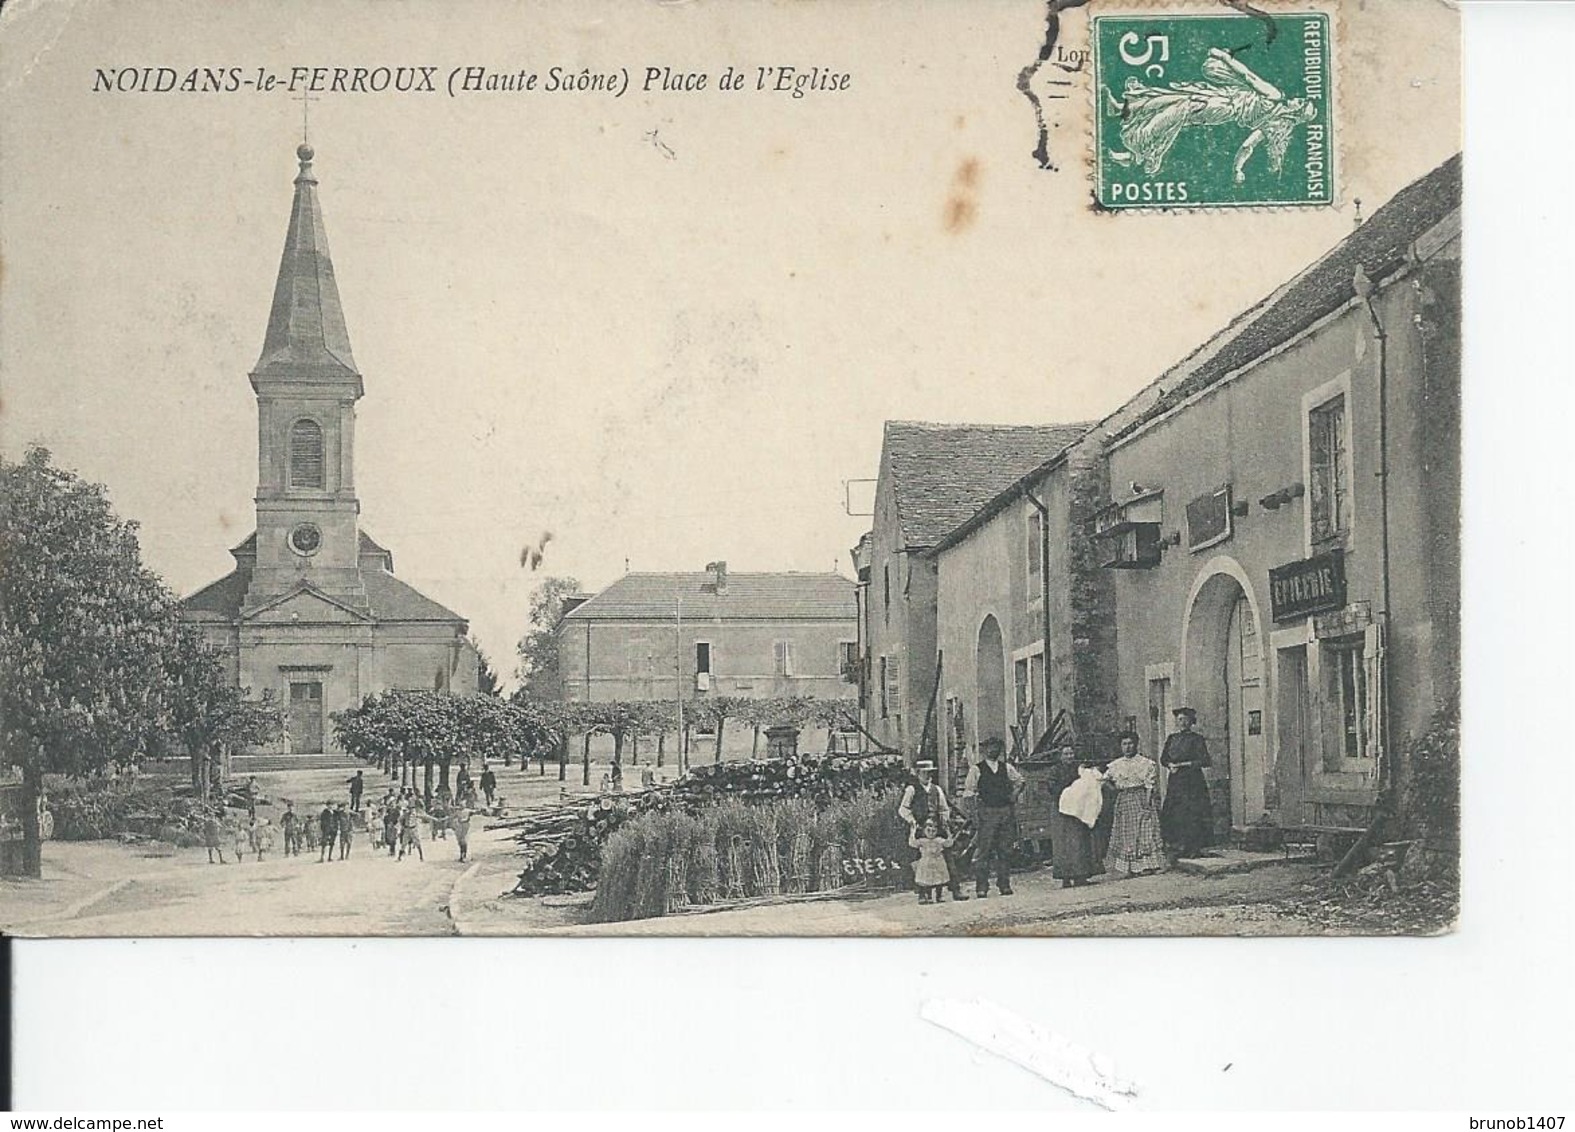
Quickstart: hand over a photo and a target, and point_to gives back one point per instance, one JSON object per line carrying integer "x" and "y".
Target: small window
{"x": 782, "y": 655}
{"x": 1035, "y": 551}
{"x": 848, "y": 661}
{"x": 306, "y": 454}
{"x": 702, "y": 656}
{"x": 885, "y": 581}
{"x": 1329, "y": 501}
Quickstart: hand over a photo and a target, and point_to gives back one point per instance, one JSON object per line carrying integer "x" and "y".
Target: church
{"x": 312, "y": 610}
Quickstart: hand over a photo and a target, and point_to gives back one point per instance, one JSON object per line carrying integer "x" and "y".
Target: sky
{"x": 664, "y": 327}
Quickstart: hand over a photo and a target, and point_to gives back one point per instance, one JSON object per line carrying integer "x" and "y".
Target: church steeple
{"x": 307, "y": 386}
{"x": 306, "y": 340}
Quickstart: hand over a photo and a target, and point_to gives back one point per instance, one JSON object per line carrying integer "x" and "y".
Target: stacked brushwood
{"x": 562, "y": 844}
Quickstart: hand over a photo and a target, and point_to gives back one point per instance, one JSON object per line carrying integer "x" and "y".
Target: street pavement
{"x": 110, "y": 889}
{"x": 105, "y": 888}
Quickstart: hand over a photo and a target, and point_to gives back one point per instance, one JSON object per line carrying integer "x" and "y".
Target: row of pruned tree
{"x": 629, "y": 722}
{"x": 419, "y": 734}
{"x": 96, "y": 667}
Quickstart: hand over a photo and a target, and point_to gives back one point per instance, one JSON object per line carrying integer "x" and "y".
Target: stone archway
{"x": 990, "y": 674}
{"x": 1223, "y": 679}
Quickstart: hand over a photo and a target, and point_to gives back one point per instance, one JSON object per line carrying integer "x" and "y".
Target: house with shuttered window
{"x": 1283, "y": 528}
{"x": 654, "y": 636}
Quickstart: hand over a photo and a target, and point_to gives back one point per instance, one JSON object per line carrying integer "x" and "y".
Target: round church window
{"x": 306, "y": 539}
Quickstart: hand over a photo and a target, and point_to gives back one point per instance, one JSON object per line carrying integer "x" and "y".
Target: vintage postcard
{"x": 730, "y": 469}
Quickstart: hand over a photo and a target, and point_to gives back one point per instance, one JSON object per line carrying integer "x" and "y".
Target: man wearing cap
{"x": 923, "y": 800}
{"x": 1185, "y": 819}
{"x": 996, "y": 785}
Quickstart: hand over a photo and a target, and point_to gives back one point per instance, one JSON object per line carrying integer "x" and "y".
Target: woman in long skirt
{"x": 1071, "y": 842}
{"x": 1135, "y": 845}
{"x": 1186, "y": 820}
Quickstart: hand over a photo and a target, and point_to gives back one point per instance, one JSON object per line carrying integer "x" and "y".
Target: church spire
{"x": 306, "y": 340}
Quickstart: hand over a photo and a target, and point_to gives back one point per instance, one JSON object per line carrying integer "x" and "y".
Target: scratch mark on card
{"x": 32, "y": 29}
{"x": 1065, "y": 1064}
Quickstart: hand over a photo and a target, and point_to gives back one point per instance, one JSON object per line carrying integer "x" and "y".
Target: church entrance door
{"x": 306, "y": 718}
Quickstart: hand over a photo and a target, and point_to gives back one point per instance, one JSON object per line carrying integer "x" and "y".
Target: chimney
{"x": 718, "y": 571}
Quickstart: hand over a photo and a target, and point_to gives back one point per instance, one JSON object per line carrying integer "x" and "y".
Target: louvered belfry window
{"x": 306, "y": 454}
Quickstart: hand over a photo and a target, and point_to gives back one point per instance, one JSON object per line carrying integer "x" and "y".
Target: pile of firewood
{"x": 562, "y": 844}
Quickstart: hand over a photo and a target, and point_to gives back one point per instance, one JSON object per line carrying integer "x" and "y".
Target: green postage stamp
{"x": 1213, "y": 111}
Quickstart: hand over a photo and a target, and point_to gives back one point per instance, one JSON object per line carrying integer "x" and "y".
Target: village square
{"x": 1095, "y": 677}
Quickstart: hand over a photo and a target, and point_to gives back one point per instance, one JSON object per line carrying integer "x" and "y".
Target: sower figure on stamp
{"x": 923, "y": 800}
{"x": 1153, "y": 117}
{"x": 995, "y": 784}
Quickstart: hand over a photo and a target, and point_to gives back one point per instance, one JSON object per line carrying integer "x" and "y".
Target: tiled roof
{"x": 943, "y": 473}
{"x": 306, "y": 336}
{"x": 393, "y": 600}
{"x": 757, "y": 597}
{"x": 222, "y": 598}
{"x": 1380, "y": 246}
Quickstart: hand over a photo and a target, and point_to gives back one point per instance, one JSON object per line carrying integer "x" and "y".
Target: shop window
{"x": 1350, "y": 700}
{"x": 1328, "y": 467}
{"x": 306, "y": 454}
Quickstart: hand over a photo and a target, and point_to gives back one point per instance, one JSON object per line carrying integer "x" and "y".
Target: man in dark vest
{"x": 923, "y": 800}
{"x": 994, "y": 784}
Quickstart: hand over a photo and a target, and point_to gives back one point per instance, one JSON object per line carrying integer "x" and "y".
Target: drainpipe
{"x": 1363, "y": 285}
{"x": 1044, "y": 587}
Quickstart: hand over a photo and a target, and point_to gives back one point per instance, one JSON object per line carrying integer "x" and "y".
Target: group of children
{"x": 393, "y": 823}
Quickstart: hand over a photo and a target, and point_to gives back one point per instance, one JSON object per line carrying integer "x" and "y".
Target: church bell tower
{"x": 307, "y": 386}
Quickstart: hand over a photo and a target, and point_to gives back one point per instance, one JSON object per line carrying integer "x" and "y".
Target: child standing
{"x": 211, "y": 829}
{"x": 930, "y": 873}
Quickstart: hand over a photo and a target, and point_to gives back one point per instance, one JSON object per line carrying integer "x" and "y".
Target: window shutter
{"x": 1373, "y": 664}
{"x": 306, "y": 454}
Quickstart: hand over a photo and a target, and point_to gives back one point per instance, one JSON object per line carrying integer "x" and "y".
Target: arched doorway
{"x": 1223, "y": 681}
{"x": 990, "y": 673}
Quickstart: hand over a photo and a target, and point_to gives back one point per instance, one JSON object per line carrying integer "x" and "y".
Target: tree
{"x": 208, "y": 714}
{"x": 714, "y": 711}
{"x": 539, "y": 674}
{"x": 85, "y": 633}
{"x": 487, "y": 682}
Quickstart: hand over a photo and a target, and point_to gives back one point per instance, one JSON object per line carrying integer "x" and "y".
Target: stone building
{"x": 932, "y": 479}
{"x": 1024, "y": 614}
{"x": 654, "y": 636}
{"x": 312, "y": 610}
{"x": 1284, "y": 525}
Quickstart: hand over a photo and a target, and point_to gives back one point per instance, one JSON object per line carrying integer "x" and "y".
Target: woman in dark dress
{"x": 1071, "y": 847}
{"x": 1185, "y": 820}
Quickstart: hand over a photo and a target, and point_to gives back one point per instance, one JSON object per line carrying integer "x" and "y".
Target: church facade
{"x": 312, "y": 610}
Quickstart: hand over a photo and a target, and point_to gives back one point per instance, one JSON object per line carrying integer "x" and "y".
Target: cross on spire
{"x": 305, "y": 100}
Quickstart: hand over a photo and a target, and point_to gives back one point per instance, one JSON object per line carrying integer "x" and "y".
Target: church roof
{"x": 388, "y": 598}
{"x": 752, "y": 597}
{"x": 306, "y": 339}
